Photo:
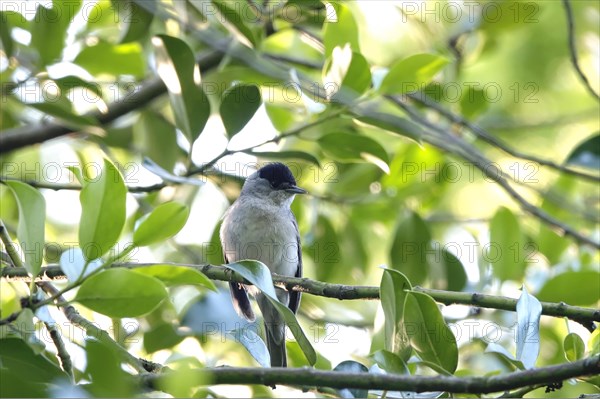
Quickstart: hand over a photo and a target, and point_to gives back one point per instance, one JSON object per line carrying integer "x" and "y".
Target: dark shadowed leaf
{"x": 234, "y": 22}
{"x": 238, "y": 106}
{"x": 121, "y": 293}
{"x": 586, "y": 154}
{"x": 348, "y": 147}
{"x": 163, "y": 336}
{"x": 134, "y": 19}
{"x": 18, "y": 357}
{"x": 351, "y": 366}
{"x": 109, "y": 379}
{"x": 158, "y": 140}
{"x": 32, "y": 221}
{"x": 177, "y": 67}
{"x": 49, "y": 29}
{"x": 67, "y": 116}
{"x": 410, "y": 246}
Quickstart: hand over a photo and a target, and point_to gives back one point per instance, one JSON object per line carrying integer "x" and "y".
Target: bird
{"x": 260, "y": 225}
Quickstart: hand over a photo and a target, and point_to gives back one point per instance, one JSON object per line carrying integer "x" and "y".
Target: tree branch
{"x": 585, "y": 316}
{"x": 13, "y": 139}
{"x": 307, "y": 377}
{"x": 490, "y": 139}
{"x": 573, "y": 49}
{"x": 440, "y": 138}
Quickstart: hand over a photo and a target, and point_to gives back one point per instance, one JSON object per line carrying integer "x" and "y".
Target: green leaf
{"x": 348, "y": 147}
{"x": 163, "y": 336}
{"x": 507, "y": 245}
{"x": 281, "y": 155}
{"x": 574, "y": 347}
{"x": 259, "y": 275}
{"x": 102, "y": 212}
{"x": 177, "y": 67}
{"x": 253, "y": 344}
{"x": 412, "y": 73}
{"x": 177, "y": 275}
{"x": 71, "y": 82}
{"x": 594, "y": 342}
{"x": 340, "y": 30}
{"x": 18, "y": 357}
{"x": 134, "y": 20}
{"x": 347, "y": 75}
{"x": 67, "y": 116}
{"x": 390, "y": 122}
{"x": 32, "y": 219}
{"x": 121, "y": 293}
{"x": 394, "y": 288}
{"x": 586, "y": 154}
{"x": 162, "y": 223}
{"x": 108, "y": 378}
{"x": 238, "y": 106}
{"x": 409, "y": 248}
{"x": 429, "y": 335}
{"x": 453, "y": 276}
{"x": 501, "y": 352}
{"x": 560, "y": 288}
{"x": 5, "y": 37}
{"x": 390, "y": 362}
{"x": 158, "y": 140}
{"x": 529, "y": 311}
{"x": 49, "y": 29}
{"x": 473, "y": 102}
{"x": 351, "y": 366}
{"x": 234, "y": 22}
{"x": 100, "y": 59}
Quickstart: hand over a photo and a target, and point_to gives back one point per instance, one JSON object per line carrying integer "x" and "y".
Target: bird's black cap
{"x": 279, "y": 175}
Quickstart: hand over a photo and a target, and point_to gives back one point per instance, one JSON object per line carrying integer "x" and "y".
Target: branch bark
{"x": 585, "y": 316}
{"x": 306, "y": 377}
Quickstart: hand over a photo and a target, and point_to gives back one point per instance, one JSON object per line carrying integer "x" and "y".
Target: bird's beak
{"x": 295, "y": 190}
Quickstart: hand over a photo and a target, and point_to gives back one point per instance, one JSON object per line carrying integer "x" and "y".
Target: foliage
{"x": 455, "y": 143}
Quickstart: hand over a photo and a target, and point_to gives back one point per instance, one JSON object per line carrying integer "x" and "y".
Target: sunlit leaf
{"x": 390, "y": 362}
{"x": 389, "y": 122}
{"x": 501, "y": 352}
{"x": 473, "y": 102}
{"x": 574, "y": 347}
{"x": 73, "y": 264}
{"x": 162, "y": 223}
{"x": 394, "y": 288}
{"x": 121, "y": 293}
{"x": 233, "y": 20}
{"x": 177, "y": 275}
{"x": 32, "y": 219}
{"x": 507, "y": 246}
{"x": 102, "y": 212}
{"x": 429, "y": 335}
{"x": 100, "y": 59}
{"x": 560, "y": 288}
{"x": 412, "y": 73}
{"x": 340, "y": 28}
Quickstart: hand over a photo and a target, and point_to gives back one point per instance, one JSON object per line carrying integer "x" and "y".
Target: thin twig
{"x": 573, "y": 49}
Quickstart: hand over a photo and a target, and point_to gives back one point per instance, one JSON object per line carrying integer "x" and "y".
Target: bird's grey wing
{"x": 294, "y": 303}
{"x": 239, "y": 297}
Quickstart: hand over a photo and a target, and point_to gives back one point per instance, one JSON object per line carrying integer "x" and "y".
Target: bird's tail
{"x": 274, "y": 332}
